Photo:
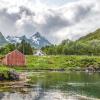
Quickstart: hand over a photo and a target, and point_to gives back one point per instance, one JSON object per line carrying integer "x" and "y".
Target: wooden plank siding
{"x": 15, "y": 58}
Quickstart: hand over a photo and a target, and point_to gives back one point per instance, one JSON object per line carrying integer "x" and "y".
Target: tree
{"x": 25, "y": 48}
{"x": 7, "y": 48}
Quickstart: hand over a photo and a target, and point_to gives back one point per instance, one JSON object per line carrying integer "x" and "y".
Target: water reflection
{"x": 57, "y": 86}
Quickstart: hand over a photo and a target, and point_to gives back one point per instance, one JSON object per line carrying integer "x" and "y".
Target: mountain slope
{"x": 39, "y": 41}
{"x": 12, "y": 39}
{"x": 2, "y": 40}
{"x": 35, "y": 40}
{"x": 15, "y": 39}
{"x": 92, "y": 36}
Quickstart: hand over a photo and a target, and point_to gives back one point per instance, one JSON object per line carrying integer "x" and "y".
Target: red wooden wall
{"x": 14, "y": 58}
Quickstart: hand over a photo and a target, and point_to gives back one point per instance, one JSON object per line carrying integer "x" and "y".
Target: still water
{"x": 56, "y": 86}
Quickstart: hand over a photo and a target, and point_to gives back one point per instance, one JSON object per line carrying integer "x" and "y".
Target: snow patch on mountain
{"x": 12, "y": 39}
{"x": 36, "y": 40}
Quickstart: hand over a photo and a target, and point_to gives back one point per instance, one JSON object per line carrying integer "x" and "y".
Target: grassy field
{"x": 59, "y": 62}
{"x": 62, "y": 62}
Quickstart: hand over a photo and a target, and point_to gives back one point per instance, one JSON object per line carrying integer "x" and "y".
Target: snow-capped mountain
{"x": 12, "y": 39}
{"x": 39, "y": 41}
{"x": 35, "y": 40}
{"x": 15, "y": 39}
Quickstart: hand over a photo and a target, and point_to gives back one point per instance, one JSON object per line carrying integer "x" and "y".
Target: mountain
{"x": 15, "y": 39}
{"x": 12, "y": 39}
{"x": 35, "y": 40}
{"x": 92, "y": 36}
{"x": 2, "y": 40}
{"x": 39, "y": 41}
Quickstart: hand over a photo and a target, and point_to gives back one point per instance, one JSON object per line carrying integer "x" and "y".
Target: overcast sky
{"x": 55, "y": 19}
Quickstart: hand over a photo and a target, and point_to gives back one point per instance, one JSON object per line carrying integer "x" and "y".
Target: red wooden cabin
{"x": 15, "y": 58}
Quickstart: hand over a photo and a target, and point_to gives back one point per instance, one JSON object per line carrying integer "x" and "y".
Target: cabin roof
{"x": 11, "y": 53}
{"x": 15, "y": 51}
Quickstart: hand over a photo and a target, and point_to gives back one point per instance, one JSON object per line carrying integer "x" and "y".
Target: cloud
{"x": 57, "y": 19}
{"x": 67, "y": 19}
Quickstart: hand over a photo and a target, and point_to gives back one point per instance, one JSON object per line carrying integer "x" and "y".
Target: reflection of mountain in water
{"x": 40, "y": 92}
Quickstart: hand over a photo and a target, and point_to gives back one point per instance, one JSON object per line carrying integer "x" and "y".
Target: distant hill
{"x": 2, "y": 40}
{"x": 92, "y": 36}
{"x": 36, "y": 40}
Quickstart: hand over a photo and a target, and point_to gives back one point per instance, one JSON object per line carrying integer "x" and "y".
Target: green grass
{"x": 92, "y": 36}
{"x": 62, "y": 62}
{"x": 4, "y": 69}
{"x": 57, "y": 62}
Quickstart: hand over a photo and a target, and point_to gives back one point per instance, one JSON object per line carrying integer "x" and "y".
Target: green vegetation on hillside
{"x": 92, "y": 36}
{"x": 87, "y": 45}
{"x": 74, "y": 48}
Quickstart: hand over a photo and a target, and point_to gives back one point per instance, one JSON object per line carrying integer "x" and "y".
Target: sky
{"x": 56, "y": 20}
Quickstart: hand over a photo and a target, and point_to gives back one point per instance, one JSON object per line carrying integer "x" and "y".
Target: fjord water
{"x": 57, "y": 86}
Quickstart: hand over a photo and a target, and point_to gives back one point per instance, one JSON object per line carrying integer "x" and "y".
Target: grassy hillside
{"x": 92, "y": 36}
{"x": 58, "y": 62}
{"x": 61, "y": 62}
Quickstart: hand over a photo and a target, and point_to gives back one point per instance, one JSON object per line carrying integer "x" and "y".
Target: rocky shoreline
{"x": 11, "y": 76}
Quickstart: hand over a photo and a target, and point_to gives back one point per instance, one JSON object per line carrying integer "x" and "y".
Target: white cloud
{"x": 69, "y": 20}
